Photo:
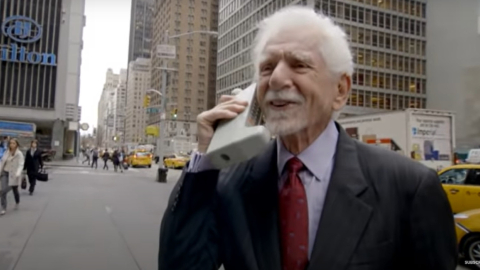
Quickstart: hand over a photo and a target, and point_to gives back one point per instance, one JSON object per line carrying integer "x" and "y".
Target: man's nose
{"x": 281, "y": 77}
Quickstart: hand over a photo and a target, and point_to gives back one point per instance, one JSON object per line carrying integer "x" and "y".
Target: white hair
{"x": 333, "y": 47}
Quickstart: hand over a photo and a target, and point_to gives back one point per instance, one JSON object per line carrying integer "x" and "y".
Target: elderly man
{"x": 315, "y": 199}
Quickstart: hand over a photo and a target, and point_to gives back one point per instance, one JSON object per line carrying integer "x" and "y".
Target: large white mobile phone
{"x": 241, "y": 138}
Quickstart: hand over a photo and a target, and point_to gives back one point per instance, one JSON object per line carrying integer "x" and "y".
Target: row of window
{"x": 407, "y": 7}
{"x": 389, "y": 61}
{"x": 242, "y": 44}
{"x": 235, "y": 77}
{"x": 379, "y": 100}
{"x": 236, "y": 62}
{"x": 375, "y": 18}
{"x": 388, "y": 81}
{"x": 382, "y": 40}
{"x": 233, "y": 14}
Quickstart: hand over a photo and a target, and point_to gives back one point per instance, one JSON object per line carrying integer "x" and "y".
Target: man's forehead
{"x": 301, "y": 41}
{"x": 279, "y": 52}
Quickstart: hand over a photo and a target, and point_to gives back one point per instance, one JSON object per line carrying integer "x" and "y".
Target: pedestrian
{"x": 11, "y": 166}
{"x": 86, "y": 154}
{"x": 33, "y": 163}
{"x": 105, "y": 157}
{"x": 95, "y": 157}
{"x": 121, "y": 158}
{"x": 315, "y": 197}
{"x": 115, "y": 160}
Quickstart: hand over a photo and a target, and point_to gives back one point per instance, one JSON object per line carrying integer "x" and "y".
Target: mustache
{"x": 286, "y": 95}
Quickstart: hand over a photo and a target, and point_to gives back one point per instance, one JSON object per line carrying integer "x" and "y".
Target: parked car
{"x": 468, "y": 235}
{"x": 462, "y": 185}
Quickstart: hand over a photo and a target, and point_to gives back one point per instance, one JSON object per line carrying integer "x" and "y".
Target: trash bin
{"x": 162, "y": 175}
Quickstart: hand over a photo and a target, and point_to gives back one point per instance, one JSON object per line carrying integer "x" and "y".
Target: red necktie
{"x": 294, "y": 219}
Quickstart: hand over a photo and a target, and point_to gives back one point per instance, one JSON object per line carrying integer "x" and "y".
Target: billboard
{"x": 431, "y": 137}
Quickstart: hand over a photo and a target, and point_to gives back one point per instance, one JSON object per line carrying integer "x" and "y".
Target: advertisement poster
{"x": 431, "y": 137}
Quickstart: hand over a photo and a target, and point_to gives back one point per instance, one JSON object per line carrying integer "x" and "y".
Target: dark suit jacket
{"x": 33, "y": 163}
{"x": 382, "y": 211}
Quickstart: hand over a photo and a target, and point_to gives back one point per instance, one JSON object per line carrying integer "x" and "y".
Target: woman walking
{"x": 11, "y": 166}
{"x": 33, "y": 163}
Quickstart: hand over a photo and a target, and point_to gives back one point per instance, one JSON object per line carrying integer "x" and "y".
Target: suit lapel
{"x": 260, "y": 195}
{"x": 345, "y": 215}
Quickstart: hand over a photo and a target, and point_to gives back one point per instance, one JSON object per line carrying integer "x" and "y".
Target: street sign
{"x": 84, "y": 126}
{"x": 166, "y": 51}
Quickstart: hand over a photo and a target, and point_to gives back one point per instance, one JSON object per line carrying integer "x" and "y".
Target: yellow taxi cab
{"x": 175, "y": 161}
{"x": 467, "y": 226}
{"x": 462, "y": 185}
{"x": 140, "y": 158}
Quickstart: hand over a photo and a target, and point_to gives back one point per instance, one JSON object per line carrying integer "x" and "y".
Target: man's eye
{"x": 300, "y": 65}
{"x": 266, "y": 68}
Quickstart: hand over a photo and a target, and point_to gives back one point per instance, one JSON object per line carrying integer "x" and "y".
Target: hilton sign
{"x": 23, "y": 29}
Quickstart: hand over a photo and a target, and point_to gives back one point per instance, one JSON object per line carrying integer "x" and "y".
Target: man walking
{"x": 95, "y": 157}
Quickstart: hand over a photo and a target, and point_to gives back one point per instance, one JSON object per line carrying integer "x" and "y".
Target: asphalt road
{"x": 84, "y": 219}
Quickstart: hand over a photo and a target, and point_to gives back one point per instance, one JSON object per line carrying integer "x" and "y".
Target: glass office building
{"x": 388, "y": 40}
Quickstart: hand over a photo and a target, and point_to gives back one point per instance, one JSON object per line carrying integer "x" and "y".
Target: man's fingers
{"x": 225, "y": 98}
{"x": 220, "y": 115}
{"x": 236, "y": 107}
{"x": 225, "y": 112}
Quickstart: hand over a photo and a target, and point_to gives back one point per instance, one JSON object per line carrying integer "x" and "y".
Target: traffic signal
{"x": 175, "y": 113}
{"x": 146, "y": 101}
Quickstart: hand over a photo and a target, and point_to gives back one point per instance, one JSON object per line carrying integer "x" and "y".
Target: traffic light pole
{"x": 163, "y": 110}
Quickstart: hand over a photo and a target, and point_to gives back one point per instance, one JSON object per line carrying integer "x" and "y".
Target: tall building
{"x": 388, "y": 39}
{"x": 111, "y": 109}
{"x": 191, "y": 87}
{"x": 119, "y": 106}
{"x": 453, "y": 67}
{"x": 136, "y": 117}
{"x": 40, "y": 51}
{"x": 141, "y": 23}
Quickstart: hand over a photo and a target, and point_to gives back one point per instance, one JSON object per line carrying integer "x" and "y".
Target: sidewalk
{"x": 66, "y": 163}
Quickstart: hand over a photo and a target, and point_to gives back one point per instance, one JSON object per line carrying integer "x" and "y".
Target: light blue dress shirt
{"x": 318, "y": 159}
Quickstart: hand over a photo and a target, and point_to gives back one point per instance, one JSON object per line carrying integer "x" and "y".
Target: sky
{"x": 105, "y": 45}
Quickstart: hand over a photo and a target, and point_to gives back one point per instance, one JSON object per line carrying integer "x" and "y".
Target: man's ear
{"x": 343, "y": 91}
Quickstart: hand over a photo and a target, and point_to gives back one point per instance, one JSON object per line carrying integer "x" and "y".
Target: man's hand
{"x": 227, "y": 108}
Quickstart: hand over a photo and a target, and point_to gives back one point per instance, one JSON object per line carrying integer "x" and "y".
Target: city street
{"x": 86, "y": 219}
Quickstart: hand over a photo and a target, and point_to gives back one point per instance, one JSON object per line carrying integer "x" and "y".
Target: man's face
{"x": 295, "y": 88}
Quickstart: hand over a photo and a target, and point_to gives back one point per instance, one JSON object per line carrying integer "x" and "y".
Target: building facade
{"x": 388, "y": 40}
{"x": 139, "y": 72}
{"x": 141, "y": 24}
{"x": 109, "y": 123}
{"x": 191, "y": 78}
{"x": 453, "y": 67}
{"x": 40, "y": 53}
{"x": 119, "y": 106}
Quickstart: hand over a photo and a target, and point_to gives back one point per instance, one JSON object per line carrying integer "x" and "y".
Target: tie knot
{"x": 294, "y": 165}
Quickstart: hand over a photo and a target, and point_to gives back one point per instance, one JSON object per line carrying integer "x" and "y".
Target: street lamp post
{"x": 162, "y": 93}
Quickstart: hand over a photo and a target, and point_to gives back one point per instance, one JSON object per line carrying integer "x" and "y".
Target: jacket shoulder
{"x": 382, "y": 167}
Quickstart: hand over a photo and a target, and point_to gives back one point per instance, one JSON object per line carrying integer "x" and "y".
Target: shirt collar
{"x": 317, "y": 157}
